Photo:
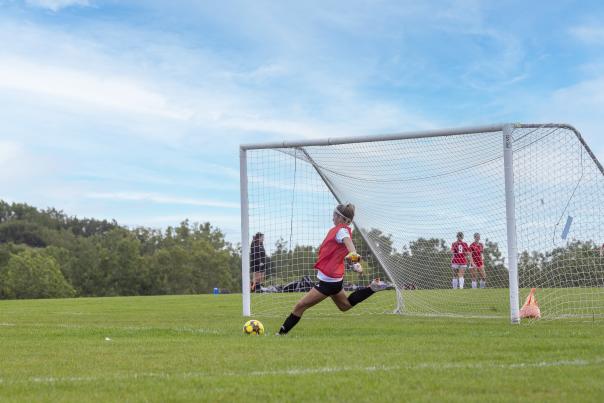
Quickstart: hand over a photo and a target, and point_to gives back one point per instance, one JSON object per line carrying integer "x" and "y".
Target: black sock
{"x": 289, "y": 323}
{"x": 360, "y": 295}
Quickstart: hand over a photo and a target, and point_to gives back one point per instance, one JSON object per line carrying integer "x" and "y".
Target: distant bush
{"x": 31, "y": 274}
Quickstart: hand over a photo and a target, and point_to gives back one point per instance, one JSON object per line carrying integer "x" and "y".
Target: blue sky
{"x": 134, "y": 110}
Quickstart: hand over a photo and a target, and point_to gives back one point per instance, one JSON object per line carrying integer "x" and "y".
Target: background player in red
{"x": 459, "y": 262}
{"x": 336, "y": 247}
{"x": 477, "y": 263}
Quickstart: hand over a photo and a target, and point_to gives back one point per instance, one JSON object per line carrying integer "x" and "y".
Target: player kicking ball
{"x": 334, "y": 251}
{"x": 459, "y": 262}
{"x": 477, "y": 265}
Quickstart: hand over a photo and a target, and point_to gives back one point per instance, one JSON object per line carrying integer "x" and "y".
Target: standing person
{"x": 258, "y": 261}
{"x": 459, "y": 262}
{"x": 335, "y": 249}
{"x": 477, "y": 264}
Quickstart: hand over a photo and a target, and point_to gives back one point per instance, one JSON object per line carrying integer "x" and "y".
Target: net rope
{"x": 412, "y": 197}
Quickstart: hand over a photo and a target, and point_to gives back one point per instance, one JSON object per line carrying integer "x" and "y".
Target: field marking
{"x": 179, "y": 329}
{"x": 302, "y": 371}
{"x": 542, "y": 364}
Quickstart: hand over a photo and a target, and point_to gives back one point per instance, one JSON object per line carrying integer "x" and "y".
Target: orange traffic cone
{"x": 530, "y": 309}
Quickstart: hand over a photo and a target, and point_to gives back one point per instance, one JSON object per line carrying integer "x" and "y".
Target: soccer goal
{"x": 534, "y": 193}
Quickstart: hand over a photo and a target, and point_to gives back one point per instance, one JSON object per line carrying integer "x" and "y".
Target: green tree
{"x": 31, "y": 274}
{"x": 170, "y": 271}
{"x": 120, "y": 263}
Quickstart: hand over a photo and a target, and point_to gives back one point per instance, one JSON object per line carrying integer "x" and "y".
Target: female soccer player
{"x": 258, "y": 261}
{"x": 477, "y": 264}
{"x": 459, "y": 261}
{"x": 336, "y": 247}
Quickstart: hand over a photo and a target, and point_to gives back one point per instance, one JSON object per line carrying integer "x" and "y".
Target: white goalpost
{"x": 533, "y": 193}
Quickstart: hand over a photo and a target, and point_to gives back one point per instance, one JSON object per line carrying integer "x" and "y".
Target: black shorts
{"x": 329, "y": 289}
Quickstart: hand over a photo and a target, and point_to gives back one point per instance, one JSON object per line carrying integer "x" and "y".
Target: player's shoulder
{"x": 343, "y": 229}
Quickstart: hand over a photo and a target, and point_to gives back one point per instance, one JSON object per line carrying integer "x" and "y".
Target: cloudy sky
{"x": 134, "y": 110}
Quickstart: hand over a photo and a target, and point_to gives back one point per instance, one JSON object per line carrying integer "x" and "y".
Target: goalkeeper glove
{"x": 353, "y": 257}
{"x": 352, "y": 262}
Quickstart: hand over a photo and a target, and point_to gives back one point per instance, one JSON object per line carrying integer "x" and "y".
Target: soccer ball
{"x": 253, "y": 327}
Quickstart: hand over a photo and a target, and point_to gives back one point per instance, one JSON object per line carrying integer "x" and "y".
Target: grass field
{"x": 190, "y": 348}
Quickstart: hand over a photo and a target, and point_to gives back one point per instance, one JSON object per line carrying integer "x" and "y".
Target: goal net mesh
{"x": 412, "y": 197}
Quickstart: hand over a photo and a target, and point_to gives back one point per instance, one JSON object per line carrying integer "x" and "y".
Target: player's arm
{"x": 352, "y": 256}
{"x": 349, "y": 245}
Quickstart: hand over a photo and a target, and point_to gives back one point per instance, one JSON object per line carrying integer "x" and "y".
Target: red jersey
{"x": 332, "y": 253}
{"x": 459, "y": 249}
{"x": 476, "y": 249}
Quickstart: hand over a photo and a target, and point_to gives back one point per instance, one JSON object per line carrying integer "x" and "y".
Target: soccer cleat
{"x": 377, "y": 285}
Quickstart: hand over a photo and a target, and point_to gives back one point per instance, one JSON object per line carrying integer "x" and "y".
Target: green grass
{"x": 190, "y": 348}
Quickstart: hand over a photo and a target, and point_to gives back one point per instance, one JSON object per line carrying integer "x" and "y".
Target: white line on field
{"x": 179, "y": 329}
{"x": 305, "y": 371}
{"x": 562, "y": 363}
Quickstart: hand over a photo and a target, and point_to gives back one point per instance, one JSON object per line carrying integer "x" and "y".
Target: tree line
{"x": 48, "y": 254}
{"x": 426, "y": 263}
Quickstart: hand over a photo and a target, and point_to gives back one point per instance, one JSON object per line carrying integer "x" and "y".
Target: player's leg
{"x": 344, "y": 302}
{"x": 454, "y": 281}
{"x": 483, "y": 277}
{"x": 253, "y": 285}
{"x": 473, "y": 275}
{"x": 257, "y": 281}
{"x": 460, "y": 274}
{"x": 341, "y": 301}
{"x": 313, "y": 297}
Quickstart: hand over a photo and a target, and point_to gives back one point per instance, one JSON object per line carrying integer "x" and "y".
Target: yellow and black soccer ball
{"x": 253, "y": 327}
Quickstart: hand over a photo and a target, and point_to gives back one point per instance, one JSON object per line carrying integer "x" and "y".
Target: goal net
{"x": 413, "y": 193}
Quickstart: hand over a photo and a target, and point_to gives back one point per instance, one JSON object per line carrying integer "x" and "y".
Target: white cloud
{"x": 295, "y": 78}
{"x": 19, "y": 165}
{"x": 9, "y": 151}
{"x": 160, "y": 199}
{"x": 580, "y": 105}
{"x": 56, "y": 5}
{"x": 202, "y": 91}
{"x": 589, "y": 34}
{"x": 113, "y": 92}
